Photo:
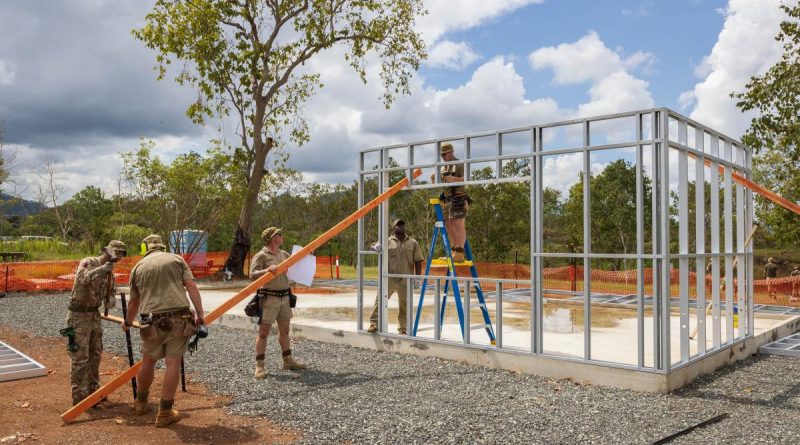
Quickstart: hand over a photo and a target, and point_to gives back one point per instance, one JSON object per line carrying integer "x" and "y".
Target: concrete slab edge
{"x": 496, "y": 359}
{"x": 544, "y": 366}
{"x": 729, "y": 355}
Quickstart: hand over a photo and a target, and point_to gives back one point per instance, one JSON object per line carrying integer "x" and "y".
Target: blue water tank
{"x": 190, "y": 242}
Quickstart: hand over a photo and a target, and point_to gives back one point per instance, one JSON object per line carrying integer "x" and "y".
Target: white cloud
{"x": 7, "y": 73}
{"x": 589, "y": 60}
{"x": 686, "y": 100}
{"x": 745, "y": 47}
{"x": 444, "y": 16}
{"x": 451, "y": 55}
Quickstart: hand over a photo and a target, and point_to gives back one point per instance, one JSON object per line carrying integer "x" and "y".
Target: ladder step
{"x": 443, "y": 262}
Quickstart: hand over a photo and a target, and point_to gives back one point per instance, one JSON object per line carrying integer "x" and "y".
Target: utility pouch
{"x": 292, "y": 300}
{"x": 458, "y": 206}
{"x": 253, "y": 308}
{"x": 183, "y": 327}
{"x": 163, "y": 324}
{"x": 148, "y": 333}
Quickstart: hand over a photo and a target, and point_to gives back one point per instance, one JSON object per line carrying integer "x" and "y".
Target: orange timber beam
{"x": 758, "y": 188}
{"x": 123, "y": 378}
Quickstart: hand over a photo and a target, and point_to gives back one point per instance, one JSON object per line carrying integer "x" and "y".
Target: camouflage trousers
{"x": 85, "y": 373}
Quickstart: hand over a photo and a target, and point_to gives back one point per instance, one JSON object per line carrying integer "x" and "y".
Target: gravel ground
{"x": 360, "y": 396}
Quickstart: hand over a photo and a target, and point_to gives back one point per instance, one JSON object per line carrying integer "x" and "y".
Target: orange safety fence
{"x": 58, "y": 276}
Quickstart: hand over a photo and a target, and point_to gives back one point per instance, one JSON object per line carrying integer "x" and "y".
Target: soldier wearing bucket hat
{"x": 405, "y": 258}
{"x": 456, "y": 201}
{"x": 275, "y": 301}
{"x": 159, "y": 284}
{"x": 93, "y": 287}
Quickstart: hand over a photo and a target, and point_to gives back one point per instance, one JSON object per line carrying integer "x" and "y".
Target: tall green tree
{"x": 775, "y": 132}
{"x": 192, "y": 192}
{"x": 612, "y": 210}
{"x": 246, "y": 58}
{"x": 95, "y": 210}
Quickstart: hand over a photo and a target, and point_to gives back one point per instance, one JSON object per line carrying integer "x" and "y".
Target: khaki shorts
{"x": 275, "y": 308}
{"x": 157, "y": 343}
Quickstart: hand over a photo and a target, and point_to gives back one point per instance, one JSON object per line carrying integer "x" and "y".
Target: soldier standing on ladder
{"x": 456, "y": 202}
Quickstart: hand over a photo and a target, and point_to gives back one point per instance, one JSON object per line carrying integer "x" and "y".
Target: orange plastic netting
{"x": 58, "y": 276}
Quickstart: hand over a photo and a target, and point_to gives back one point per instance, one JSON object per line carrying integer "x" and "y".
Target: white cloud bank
{"x": 745, "y": 47}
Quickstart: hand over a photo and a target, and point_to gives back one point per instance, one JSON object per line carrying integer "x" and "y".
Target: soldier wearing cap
{"x": 275, "y": 301}
{"x": 159, "y": 284}
{"x": 456, "y": 202}
{"x": 405, "y": 257}
{"x": 93, "y": 287}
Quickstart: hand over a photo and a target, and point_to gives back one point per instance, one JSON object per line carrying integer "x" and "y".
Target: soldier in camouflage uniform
{"x": 93, "y": 287}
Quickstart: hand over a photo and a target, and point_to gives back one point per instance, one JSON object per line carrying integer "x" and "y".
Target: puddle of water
{"x": 562, "y": 317}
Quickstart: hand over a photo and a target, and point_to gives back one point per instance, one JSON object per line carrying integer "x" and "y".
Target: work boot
{"x": 261, "y": 371}
{"x": 458, "y": 255}
{"x": 167, "y": 417}
{"x": 291, "y": 363}
{"x": 140, "y": 407}
{"x": 166, "y": 414}
{"x": 373, "y": 328}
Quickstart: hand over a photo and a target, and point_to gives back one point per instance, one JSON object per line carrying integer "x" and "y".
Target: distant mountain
{"x": 16, "y": 206}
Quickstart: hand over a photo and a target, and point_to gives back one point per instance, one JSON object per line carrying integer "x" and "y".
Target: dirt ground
{"x": 30, "y": 409}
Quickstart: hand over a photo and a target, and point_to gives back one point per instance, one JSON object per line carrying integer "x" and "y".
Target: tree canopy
{"x": 246, "y": 58}
{"x": 774, "y": 133}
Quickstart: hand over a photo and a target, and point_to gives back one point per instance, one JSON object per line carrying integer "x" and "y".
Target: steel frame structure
{"x": 663, "y": 140}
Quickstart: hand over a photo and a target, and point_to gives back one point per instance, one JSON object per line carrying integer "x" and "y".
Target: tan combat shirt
{"x": 403, "y": 255}
{"x": 93, "y": 286}
{"x": 262, "y": 260}
{"x": 454, "y": 170}
{"x": 157, "y": 281}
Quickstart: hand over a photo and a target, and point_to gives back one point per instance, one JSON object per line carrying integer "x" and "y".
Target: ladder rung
{"x": 442, "y": 262}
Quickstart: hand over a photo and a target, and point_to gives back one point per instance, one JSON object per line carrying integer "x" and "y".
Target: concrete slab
{"x": 613, "y": 329}
{"x": 332, "y": 318}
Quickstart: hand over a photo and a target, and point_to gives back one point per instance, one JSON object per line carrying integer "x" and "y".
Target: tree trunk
{"x": 241, "y": 241}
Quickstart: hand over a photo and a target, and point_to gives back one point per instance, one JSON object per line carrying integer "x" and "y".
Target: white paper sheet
{"x": 303, "y": 271}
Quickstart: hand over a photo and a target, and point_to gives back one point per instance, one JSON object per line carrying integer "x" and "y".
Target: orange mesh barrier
{"x": 58, "y": 276}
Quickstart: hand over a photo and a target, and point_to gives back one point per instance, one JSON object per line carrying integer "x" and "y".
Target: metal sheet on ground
{"x": 788, "y": 346}
{"x": 15, "y": 365}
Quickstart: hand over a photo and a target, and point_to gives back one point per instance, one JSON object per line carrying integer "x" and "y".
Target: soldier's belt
{"x": 273, "y": 293}
{"x": 178, "y": 313}
{"x": 79, "y": 308}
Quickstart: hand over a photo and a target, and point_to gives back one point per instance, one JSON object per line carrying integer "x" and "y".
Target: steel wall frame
{"x": 668, "y": 135}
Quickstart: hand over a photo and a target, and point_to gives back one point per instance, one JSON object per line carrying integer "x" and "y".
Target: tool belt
{"x": 263, "y": 293}
{"x": 457, "y": 207}
{"x": 170, "y": 314}
{"x": 79, "y": 308}
{"x": 165, "y": 321}
{"x": 274, "y": 293}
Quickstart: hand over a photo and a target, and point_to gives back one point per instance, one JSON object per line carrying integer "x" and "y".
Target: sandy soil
{"x": 30, "y": 409}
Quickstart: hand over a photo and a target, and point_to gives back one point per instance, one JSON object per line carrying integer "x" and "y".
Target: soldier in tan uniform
{"x": 159, "y": 283}
{"x": 771, "y": 273}
{"x": 456, "y": 202}
{"x": 405, "y": 257}
{"x": 93, "y": 287}
{"x": 275, "y": 304}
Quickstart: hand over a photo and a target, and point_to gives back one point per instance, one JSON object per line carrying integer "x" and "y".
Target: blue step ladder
{"x": 448, "y": 262}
